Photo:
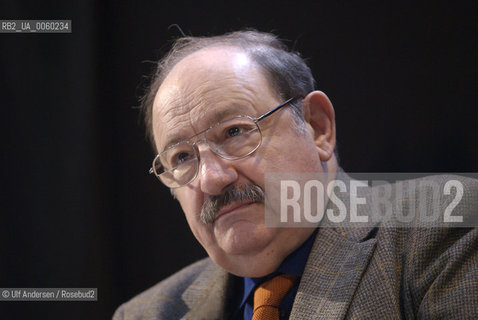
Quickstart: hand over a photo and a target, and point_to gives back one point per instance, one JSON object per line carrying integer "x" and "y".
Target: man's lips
{"x": 231, "y": 207}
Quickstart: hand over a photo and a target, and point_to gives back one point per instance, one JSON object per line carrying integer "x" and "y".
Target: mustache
{"x": 244, "y": 192}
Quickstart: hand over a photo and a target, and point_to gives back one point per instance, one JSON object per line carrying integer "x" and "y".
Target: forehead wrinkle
{"x": 170, "y": 113}
{"x": 173, "y": 137}
{"x": 166, "y": 104}
{"x": 216, "y": 105}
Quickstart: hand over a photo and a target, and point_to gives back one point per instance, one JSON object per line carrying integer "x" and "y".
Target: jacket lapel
{"x": 209, "y": 296}
{"x": 331, "y": 276}
{"x": 338, "y": 258}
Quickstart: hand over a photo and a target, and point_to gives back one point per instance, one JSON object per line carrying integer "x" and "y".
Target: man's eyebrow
{"x": 228, "y": 113}
{"x": 171, "y": 142}
{"x": 224, "y": 114}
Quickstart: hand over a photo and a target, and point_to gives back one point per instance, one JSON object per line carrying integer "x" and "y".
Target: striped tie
{"x": 269, "y": 295}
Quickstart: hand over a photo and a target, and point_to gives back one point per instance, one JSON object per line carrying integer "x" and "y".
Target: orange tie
{"x": 269, "y": 295}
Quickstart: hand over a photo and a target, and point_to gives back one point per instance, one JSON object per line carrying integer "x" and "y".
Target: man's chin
{"x": 239, "y": 237}
{"x": 247, "y": 260}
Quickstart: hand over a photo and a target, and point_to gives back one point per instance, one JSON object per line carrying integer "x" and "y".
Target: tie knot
{"x": 272, "y": 292}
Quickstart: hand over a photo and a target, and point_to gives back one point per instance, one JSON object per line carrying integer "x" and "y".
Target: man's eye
{"x": 180, "y": 158}
{"x": 183, "y": 156}
{"x": 234, "y": 131}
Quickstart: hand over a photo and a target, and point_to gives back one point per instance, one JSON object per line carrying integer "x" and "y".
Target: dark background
{"x": 78, "y": 208}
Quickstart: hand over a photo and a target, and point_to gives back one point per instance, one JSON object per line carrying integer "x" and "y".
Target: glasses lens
{"x": 177, "y": 166}
{"x": 232, "y": 139}
{"x": 235, "y": 138}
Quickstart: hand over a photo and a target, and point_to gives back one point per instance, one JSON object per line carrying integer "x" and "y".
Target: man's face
{"x": 209, "y": 86}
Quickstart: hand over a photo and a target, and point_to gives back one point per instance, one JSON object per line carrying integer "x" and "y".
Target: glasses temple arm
{"x": 268, "y": 113}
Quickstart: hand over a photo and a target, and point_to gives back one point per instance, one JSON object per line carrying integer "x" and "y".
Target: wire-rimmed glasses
{"x": 231, "y": 139}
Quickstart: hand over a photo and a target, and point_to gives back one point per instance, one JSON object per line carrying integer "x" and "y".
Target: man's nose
{"x": 215, "y": 173}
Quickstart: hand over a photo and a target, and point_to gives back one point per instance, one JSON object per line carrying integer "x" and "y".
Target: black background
{"x": 78, "y": 208}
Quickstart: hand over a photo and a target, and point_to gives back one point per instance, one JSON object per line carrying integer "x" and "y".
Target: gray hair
{"x": 287, "y": 73}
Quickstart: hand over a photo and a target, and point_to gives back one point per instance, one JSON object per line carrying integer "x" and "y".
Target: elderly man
{"x": 222, "y": 112}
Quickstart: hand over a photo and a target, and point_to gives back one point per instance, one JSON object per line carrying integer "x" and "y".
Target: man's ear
{"x": 319, "y": 117}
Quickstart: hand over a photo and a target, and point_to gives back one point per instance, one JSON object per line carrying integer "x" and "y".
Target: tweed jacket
{"x": 371, "y": 272}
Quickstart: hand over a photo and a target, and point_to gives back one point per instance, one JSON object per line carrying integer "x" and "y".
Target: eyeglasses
{"x": 231, "y": 139}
